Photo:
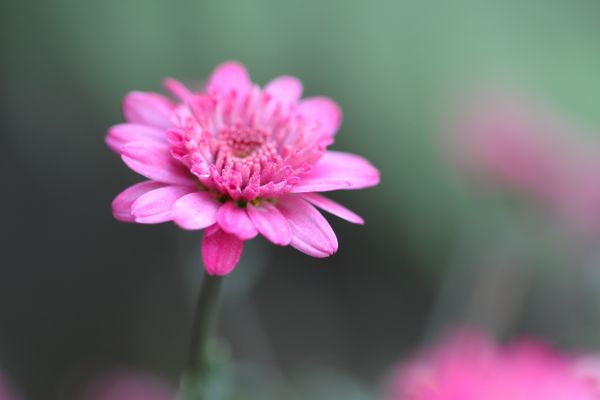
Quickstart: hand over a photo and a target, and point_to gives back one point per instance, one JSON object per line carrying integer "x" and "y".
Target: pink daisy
{"x": 472, "y": 367}
{"x": 237, "y": 160}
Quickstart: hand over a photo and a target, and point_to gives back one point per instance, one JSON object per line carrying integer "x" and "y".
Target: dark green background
{"x": 81, "y": 293}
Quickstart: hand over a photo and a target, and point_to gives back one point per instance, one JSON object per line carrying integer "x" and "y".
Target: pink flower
{"x": 237, "y": 160}
{"x": 471, "y": 367}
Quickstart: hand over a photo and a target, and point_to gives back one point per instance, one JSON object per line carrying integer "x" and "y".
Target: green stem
{"x": 204, "y": 320}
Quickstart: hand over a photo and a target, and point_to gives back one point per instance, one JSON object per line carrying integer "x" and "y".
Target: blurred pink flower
{"x": 577, "y": 198}
{"x": 129, "y": 386}
{"x": 503, "y": 139}
{"x": 6, "y": 390}
{"x": 469, "y": 366}
{"x": 238, "y": 160}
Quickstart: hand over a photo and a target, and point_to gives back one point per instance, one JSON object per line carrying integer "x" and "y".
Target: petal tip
{"x": 229, "y": 76}
{"x": 112, "y": 143}
{"x": 177, "y": 88}
{"x": 221, "y": 251}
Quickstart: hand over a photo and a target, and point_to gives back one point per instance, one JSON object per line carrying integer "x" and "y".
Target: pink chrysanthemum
{"x": 471, "y": 367}
{"x": 238, "y": 160}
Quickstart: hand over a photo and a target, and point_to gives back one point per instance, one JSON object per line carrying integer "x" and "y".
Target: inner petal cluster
{"x": 242, "y": 143}
{"x": 244, "y": 160}
{"x": 245, "y": 147}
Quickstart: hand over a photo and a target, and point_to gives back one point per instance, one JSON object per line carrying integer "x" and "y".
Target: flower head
{"x": 237, "y": 160}
{"x": 470, "y": 366}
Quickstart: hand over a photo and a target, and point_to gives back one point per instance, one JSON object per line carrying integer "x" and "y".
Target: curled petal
{"x": 148, "y": 109}
{"x": 229, "y": 77}
{"x": 332, "y": 207}
{"x": 178, "y": 89}
{"x": 339, "y": 170}
{"x": 271, "y": 223}
{"x": 154, "y": 162}
{"x": 324, "y": 111}
{"x": 121, "y": 205}
{"x": 221, "y": 251}
{"x": 235, "y": 220}
{"x": 196, "y": 210}
{"x": 311, "y": 233}
{"x": 285, "y": 89}
{"x": 155, "y": 206}
{"x": 120, "y": 134}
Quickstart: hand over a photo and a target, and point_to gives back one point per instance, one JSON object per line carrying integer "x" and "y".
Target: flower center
{"x": 243, "y": 142}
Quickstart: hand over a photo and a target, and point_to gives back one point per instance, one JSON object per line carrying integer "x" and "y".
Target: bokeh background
{"x": 81, "y": 293}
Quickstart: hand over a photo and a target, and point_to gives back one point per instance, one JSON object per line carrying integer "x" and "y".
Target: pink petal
{"x": 324, "y": 111}
{"x": 332, "y": 207}
{"x": 221, "y": 251}
{"x": 196, "y": 210}
{"x": 322, "y": 185}
{"x": 148, "y": 109}
{"x": 271, "y": 223}
{"x": 228, "y": 77}
{"x": 338, "y": 170}
{"x": 120, "y": 134}
{"x": 285, "y": 89}
{"x": 154, "y": 161}
{"x": 177, "y": 89}
{"x": 311, "y": 233}
{"x": 121, "y": 205}
{"x": 155, "y": 206}
{"x": 235, "y": 220}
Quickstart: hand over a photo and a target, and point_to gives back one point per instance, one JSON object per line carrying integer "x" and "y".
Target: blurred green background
{"x": 81, "y": 293}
